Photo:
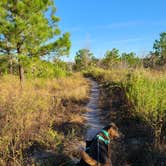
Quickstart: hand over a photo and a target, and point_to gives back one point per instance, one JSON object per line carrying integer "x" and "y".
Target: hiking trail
{"x": 93, "y": 123}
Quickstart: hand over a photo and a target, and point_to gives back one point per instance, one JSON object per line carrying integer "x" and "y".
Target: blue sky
{"x": 129, "y": 25}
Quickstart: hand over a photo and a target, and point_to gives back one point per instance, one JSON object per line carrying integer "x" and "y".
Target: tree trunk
{"x": 11, "y": 65}
{"x": 21, "y": 73}
{"x": 20, "y": 67}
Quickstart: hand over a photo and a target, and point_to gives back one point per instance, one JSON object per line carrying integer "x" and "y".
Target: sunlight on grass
{"x": 28, "y": 113}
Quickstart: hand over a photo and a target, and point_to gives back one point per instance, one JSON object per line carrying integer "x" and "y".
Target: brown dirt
{"x": 70, "y": 124}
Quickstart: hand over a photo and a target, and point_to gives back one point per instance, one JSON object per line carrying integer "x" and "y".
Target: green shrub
{"x": 147, "y": 92}
{"x": 37, "y": 68}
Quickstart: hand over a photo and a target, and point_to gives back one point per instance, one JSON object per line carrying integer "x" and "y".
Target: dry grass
{"x": 116, "y": 75}
{"x": 27, "y": 114}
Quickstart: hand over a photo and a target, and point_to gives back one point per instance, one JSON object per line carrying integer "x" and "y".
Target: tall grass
{"x": 107, "y": 75}
{"x": 147, "y": 92}
{"x": 27, "y": 114}
{"x": 145, "y": 89}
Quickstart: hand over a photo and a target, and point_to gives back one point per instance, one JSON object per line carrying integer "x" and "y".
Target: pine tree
{"x": 29, "y": 28}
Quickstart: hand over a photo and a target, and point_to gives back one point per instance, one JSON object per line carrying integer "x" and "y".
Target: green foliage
{"x": 113, "y": 54}
{"x": 61, "y": 64}
{"x": 157, "y": 58}
{"x": 130, "y": 59}
{"x": 146, "y": 91}
{"x": 5, "y": 64}
{"x": 103, "y": 75}
{"x": 26, "y": 30}
{"x": 147, "y": 94}
{"x": 111, "y": 58}
{"x": 34, "y": 67}
{"x": 83, "y": 59}
{"x": 160, "y": 46}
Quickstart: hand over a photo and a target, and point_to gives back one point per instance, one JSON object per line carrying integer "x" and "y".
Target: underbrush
{"x": 103, "y": 75}
{"x": 28, "y": 114}
{"x": 146, "y": 90}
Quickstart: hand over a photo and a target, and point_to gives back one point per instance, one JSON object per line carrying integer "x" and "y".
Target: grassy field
{"x": 46, "y": 114}
{"x": 29, "y": 115}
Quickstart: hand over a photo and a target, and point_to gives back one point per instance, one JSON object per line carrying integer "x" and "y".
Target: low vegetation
{"x": 28, "y": 114}
{"x": 42, "y": 97}
{"x": 145, "y": 91}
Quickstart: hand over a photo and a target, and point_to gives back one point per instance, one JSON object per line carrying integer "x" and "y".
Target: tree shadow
{"x": 137, "y": 147}
{"x": 64, "y": 153}
{"x": 70, "y": 128}
{"x": 39, "y": 155}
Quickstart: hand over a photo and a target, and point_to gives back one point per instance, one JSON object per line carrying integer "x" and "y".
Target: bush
{"x": 147, "y": 92}
{"x": 37, "y": 68}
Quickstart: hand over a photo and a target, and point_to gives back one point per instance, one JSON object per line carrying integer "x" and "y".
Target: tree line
{"x": 156, "y": 59}
{"x": 30, "y": 37}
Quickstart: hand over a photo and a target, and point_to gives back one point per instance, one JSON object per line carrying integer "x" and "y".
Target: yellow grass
{"x": 27, "y": 114}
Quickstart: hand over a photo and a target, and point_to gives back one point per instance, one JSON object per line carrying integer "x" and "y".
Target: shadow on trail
{"x": 39, "y": 155}
{"x": 70, "y": 128}
{"x": 64, "y": 149}
{"x": 106, "y": 104}
{"x": 137, "y": 148}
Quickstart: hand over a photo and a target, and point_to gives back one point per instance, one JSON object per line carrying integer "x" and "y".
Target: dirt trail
{"x": 94, "y": 122}
{"x": 111, "y": 105}
{"x": 107, "y": 105}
